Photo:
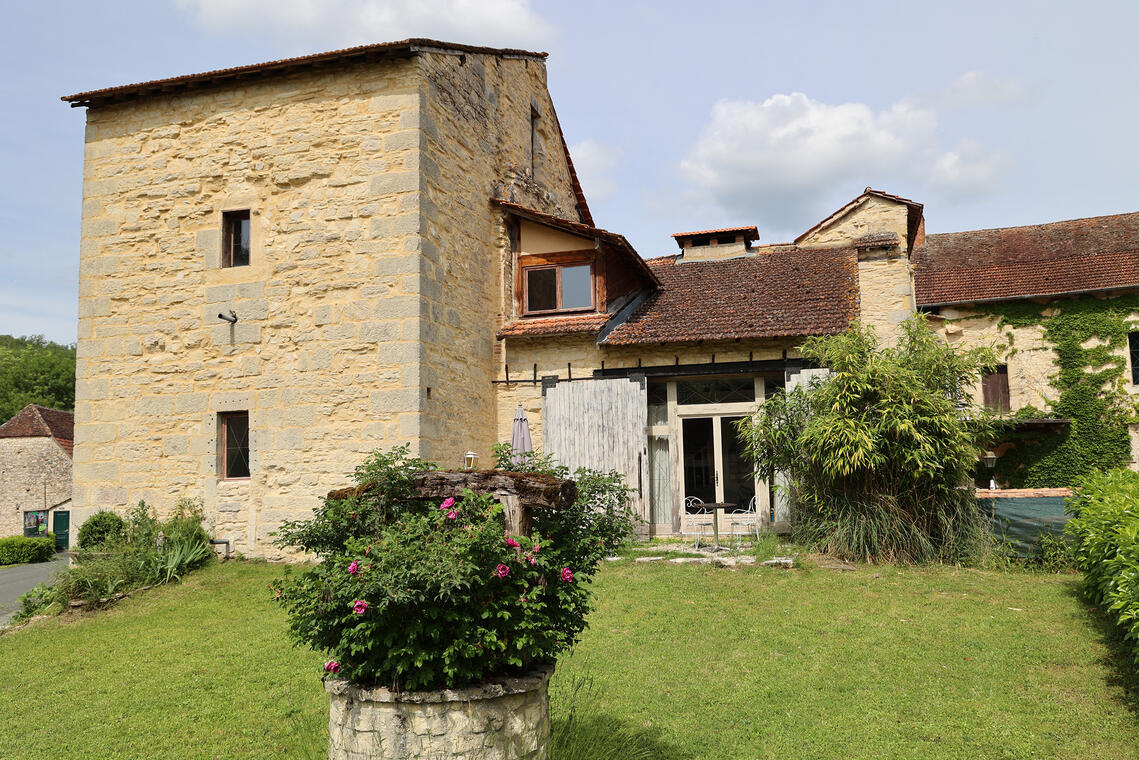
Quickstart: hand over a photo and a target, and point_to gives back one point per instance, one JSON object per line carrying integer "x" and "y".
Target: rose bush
{"x": 431, "y": 595}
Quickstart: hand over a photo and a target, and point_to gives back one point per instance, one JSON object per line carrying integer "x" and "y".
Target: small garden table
{"x": 717, "y": 507}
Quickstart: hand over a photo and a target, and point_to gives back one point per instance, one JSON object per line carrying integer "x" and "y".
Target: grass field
{"x": 679, "y": 662}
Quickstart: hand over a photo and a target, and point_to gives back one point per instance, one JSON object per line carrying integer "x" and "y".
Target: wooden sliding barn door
{"x": 600, "y": 424}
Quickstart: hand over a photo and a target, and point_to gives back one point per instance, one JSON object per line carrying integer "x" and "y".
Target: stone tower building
{"x": 285, "y": 266}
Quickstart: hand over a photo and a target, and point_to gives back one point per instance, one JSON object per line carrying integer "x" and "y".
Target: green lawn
{"x": 680, "y": 662}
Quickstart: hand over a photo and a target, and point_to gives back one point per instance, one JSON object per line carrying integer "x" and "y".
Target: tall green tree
{"x": 34, "y": 370}
{"x": 877, "y": 453}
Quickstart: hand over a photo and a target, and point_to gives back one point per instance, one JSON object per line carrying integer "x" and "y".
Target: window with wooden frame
{"x": 233, "y": 434}
{"x": 556, "y": 288}
{"x": 994, "y": 389}
{"x": 1133, "y": 350}
{"x": 235, "y": 238}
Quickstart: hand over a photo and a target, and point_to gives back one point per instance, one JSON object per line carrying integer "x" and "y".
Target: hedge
{"x": 1106, "y": 530}
{"x": 16, "y": 550}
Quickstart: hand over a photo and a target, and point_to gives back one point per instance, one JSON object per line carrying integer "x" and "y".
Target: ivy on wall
{"x": 1090, "y": 390}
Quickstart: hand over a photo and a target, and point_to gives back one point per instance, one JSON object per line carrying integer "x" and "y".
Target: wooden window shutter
{"x": 994, "y": 389}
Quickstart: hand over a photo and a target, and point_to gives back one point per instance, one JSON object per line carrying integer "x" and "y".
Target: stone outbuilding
{"x": 35, "y": 473}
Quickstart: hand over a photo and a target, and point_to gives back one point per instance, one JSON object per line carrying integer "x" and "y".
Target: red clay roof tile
{"x": 565, "y": 324}
{"x": 1080, "y": 255}
{"x": 781, "y": 294}
{"x": 35, "y": 421}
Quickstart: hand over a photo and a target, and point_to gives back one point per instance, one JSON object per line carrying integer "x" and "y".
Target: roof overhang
{"x": 361, "y": 53}
{"x": 612, "y": 239}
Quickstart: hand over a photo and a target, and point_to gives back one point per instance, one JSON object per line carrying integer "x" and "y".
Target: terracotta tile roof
{"x": 1076, "y": 256}
{"x": 780, "y": 294}
{"x": 35, "y": 421}
{"x": 268, "y": 68}
{"x": 752, "y": 229}
{"x": 567, "y": 324}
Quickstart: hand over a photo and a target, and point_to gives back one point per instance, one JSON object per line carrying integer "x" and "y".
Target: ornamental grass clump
{"x": 878, "y": 455}
{"x": 418, "y": 595}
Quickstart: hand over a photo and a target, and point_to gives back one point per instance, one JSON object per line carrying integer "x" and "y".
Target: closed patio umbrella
{"x": 520, "y": 437}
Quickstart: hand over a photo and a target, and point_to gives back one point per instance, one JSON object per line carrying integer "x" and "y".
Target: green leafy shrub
{"x": 131, "y": 560}
{"x": 385, "y": 480}
{"x": 100, "y": 528}
{"x": 600, "y": 520}
{"x": 1105, "y": 528}
{"x": 878, "y": 453}
{"x": 430, "y": 595}
{"x": 16, "y": 550}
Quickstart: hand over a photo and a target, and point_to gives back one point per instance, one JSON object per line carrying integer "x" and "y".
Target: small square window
{"x": 233, "y": 434}
{"x": 235, "y": 238}
{"x": 558, "y": 288}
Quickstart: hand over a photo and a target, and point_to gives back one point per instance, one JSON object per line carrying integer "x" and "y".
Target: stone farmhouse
{"x": 35, "y": 473}
{"x": 288, "y": 265}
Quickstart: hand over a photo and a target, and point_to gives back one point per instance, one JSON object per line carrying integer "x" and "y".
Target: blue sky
{"x": 680, "y": 115}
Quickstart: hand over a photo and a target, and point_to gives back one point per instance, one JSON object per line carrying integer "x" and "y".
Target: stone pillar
{"x": 504, "y": 719}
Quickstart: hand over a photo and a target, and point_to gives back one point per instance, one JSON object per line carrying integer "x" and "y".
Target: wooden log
{"x": 519, "y": 492}
{"x": 532, "y": 489}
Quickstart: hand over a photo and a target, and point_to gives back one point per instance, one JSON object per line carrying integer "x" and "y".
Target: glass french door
{"x": 715, "y": 468}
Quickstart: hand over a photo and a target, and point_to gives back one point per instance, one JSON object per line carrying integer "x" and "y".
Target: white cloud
{"x": 969, "y": 169}
{"x": 322, "y": 24}
{"x": 594, "y": 162}
{"x": 975, "y": 89}
{"x": 782, "y": 161}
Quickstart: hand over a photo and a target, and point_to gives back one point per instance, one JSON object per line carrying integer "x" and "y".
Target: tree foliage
{"x": 35, "y": 371}
{"x": 876, "y": 454}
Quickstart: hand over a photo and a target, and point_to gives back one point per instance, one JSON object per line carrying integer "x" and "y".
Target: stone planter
{"x": 505, "y": 719}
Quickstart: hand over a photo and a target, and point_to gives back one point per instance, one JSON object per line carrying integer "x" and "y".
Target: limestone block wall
{"x": 476, "y": 131}
{"x": 873, "y": 215}
{"x": 885, "y": 291}
{"x": 35, "y": 473}
{"x": 1031, "y": 360}
{"x": 885, "y": 278}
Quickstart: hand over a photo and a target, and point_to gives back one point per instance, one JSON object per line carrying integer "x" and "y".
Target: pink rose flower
{"x": 533, "y": 561}
{"x": 567, "y": 575}
{"x": 512, "y": 542}
{"x": 360, "y": 606}
{"x": 452, "y": 515}
{"x": 536, "y": 548}
{"x": 502, "y": 570}
{"x": 353, "y": 568}
{"x": 332, "y": 666}
{"x": 447, "y": 504}
{"x": 522, "y": 599}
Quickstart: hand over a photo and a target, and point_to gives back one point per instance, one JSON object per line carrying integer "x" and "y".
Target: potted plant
{"x": 441, "y": 627}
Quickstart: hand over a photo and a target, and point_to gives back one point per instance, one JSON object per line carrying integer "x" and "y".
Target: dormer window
{"x": 557, "y": 288}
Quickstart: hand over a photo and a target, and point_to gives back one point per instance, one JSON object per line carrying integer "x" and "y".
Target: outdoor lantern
{"x": 470, "y": 461}
{"x": 990, "y": 459}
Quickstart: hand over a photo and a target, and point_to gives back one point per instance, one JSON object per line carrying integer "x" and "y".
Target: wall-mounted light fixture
{"x": 470, "y": 461}
{"x": 990, "y": 460}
